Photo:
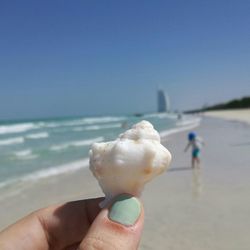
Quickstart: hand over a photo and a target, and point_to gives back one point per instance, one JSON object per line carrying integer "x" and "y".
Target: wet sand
{"x": 206, "y": 208}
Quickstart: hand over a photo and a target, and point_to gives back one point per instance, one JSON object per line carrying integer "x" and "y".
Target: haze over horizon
{"x": 90, "y": 57}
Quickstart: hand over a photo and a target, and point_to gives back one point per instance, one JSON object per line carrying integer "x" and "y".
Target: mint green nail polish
{"x": 125, "y": 210}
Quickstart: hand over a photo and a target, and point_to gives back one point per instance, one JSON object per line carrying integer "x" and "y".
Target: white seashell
{"x": 127, "y": 163}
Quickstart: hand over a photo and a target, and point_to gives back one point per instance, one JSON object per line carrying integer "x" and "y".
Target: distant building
{"x": 162, "y": 101}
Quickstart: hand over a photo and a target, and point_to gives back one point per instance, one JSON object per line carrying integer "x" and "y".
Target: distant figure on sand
{"x": 196, "y": 143}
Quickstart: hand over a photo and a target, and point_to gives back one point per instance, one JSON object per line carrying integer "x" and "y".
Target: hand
{"x": 79, "y": 225}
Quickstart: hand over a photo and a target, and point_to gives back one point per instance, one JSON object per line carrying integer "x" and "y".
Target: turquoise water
{"x": 37, "y": 149}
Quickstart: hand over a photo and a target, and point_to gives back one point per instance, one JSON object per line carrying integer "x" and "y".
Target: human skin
{"x": 74, "y": 225}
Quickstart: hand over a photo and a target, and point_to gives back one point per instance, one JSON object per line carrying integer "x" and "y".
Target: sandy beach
{"x": 206, "y": 208}
{"x": 242, "y": 115}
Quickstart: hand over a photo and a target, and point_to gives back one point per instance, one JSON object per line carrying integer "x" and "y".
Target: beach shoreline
{"x": 185, "y": 209}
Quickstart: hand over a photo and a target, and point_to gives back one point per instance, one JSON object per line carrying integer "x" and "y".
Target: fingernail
{"x": 125, "y": 210}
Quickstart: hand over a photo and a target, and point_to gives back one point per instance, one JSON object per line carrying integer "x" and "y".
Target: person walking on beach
{"x": 196, "y": 143}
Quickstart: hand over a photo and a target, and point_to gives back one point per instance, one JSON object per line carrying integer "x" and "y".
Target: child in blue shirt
{"x": 196, "y": 143}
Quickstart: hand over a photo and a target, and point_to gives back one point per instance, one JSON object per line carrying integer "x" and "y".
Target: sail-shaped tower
{"x": 163, "y": 101}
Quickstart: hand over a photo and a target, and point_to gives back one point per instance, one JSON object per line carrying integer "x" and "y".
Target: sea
{"x": 32, "y": 150}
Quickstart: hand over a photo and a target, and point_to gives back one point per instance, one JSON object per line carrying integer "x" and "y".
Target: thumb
{"x": 116, "y": 227}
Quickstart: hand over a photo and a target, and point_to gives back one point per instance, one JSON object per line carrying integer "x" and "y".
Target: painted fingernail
{"x": 125, "y": 210}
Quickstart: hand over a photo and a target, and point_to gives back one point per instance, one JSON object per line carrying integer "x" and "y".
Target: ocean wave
{"x": 75, "y": 144}
{"x": 98, "y": 127}
{"x": 11, "y": 141}
{"x": 41, "y": 174}
{"x": 25, "y": 154}
{"x": 82, "y": 121}
{"x": 105, "y": 119}
{"x": 24, "y": 127}
{"x": 22, "y": 153}
{"x": 188, "y": 121}
{"x": 56, "y": 170}
{"x": 161, "y": 115}
{"x": 186, "y": 126}
{"x": 17, "y": 128}
{"x": 38, "y": 135}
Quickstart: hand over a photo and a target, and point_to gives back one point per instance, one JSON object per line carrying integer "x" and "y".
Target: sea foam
{"x": 25, "y": 154}
{"x": 97, "y": 127}
{"x": 41, "y": 174}
{"x": 76, "y": 144}
{"x": 186, "y": 125}
{"x": 56, "y": 170}
{"x": 161, "y": 115}
{"x": 11, "y": 141}
{"x": 82, "y": 121}
{"x": 17, "y": 128}
{"x": 38, "y": 135}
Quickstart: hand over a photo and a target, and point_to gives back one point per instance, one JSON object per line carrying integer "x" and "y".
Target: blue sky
{"x": 60, "y": 58}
